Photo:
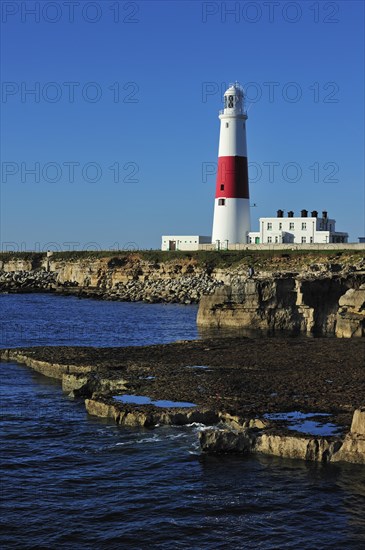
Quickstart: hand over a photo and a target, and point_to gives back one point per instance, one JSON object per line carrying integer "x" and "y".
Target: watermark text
{"x": 70, "y": 11}
{"x": 69, "y": 172}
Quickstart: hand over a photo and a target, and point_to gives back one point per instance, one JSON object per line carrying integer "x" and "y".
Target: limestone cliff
{"x": 128, "y": 277}
{"x": 300, "y": 302}
{"x": 310, "y": 293}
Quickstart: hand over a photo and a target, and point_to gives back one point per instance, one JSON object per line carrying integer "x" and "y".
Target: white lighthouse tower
{"x": 231, "y": 223}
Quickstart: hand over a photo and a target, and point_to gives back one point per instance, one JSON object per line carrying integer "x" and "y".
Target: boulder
{"x": 76, "y": 383}
{"x": 353, "y": 446}
{"x": 216, "y": 440}
{"x": 358, "y": 422}
{"x": 238, "y": 422}
{"x": 350, "y": 319}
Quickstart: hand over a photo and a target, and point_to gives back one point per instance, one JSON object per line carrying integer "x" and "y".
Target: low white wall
{"x": 289, "y": 246}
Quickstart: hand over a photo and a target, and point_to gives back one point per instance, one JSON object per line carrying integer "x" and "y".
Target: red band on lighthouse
{"x": 232, "y": 178}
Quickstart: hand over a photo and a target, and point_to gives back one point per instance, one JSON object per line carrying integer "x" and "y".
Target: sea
{"x": 69, "y": 480}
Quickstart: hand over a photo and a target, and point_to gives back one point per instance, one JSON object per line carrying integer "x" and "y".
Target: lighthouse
{"x": 231, "y": 223}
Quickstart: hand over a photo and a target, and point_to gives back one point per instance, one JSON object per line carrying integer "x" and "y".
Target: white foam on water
{"x": 195, "y": 425}
{"x": 176, "y": 436}
{"x": 154, "y": 439}
{"x": 203, "y": 428}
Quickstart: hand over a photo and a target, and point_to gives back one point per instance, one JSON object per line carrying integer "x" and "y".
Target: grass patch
{"x": 26, "y": 256}
{"x": 208, "y": 259}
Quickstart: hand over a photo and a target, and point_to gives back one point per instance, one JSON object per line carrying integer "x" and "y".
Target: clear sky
{"x": 121, "y": 130}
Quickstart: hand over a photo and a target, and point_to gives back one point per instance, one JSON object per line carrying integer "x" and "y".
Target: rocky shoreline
{"x": 306, "y": 293}
{"x": 185, "y": 289}
{"x": 234, "y": 387}
{"x": 233, "y": 384}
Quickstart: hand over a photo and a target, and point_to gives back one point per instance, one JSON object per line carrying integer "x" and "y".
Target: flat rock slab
{"x": 245, "y": 376}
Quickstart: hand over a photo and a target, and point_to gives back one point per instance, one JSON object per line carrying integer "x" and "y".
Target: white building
{"x": 300, "y": 230}
{"x": 183, "y": 242}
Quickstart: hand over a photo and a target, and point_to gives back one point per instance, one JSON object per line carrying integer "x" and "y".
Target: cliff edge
{"x": 319, "y": 292}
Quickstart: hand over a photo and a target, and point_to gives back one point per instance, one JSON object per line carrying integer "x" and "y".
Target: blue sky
{"x": 122, "y": 130}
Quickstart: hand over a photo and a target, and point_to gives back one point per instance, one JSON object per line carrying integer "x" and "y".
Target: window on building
{"x": 304, "y": 239}
{"x": 221, "y": 202}
{"x": 227, "y": 124}
{"x": 230, "y": 102}
{"x": 269, "y": 226}
{"x": 276, "y": 239}
{"x": 304, "y": 226}
{"x": 280, "y": 225}
{"x": 222, "y": 186}
{"x": 311, "y": 239}
{"x": 269, "y": 239}
{"x": 291, "y": 225}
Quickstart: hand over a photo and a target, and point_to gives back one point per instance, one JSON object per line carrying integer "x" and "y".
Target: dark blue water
{"x": 73, "y": 481}
{"x": 46, "y": 319}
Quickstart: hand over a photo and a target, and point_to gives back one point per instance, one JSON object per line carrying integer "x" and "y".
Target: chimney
{"x": 324, "y": 214}
{"x": 304, "y": 213}
{"x": 280, "y": 213}
{"x": 290, "y": 214}
{"x": 314, "y": 213}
